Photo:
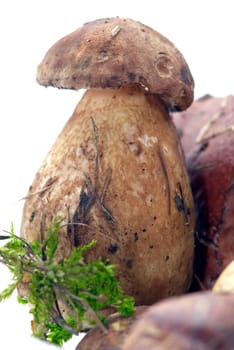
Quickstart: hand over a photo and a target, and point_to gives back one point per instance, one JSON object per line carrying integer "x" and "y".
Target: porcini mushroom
{"x": 117, "y": 172}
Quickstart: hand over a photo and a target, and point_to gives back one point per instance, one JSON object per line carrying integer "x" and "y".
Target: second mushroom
{"x": 116, "y": 173}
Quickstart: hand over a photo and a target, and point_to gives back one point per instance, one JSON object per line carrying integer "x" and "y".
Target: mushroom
{"x": 201, "y": 320}
{"x": 207, "y": 128}
{"x": 117, "y": 173}
{"x": 225, "y": 282}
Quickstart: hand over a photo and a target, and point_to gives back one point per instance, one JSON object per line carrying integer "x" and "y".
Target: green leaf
{"x": 6, "y": 293}
{"x": 12, "y": 229}
{"x": 57, "y": 334}
{"x": 22, "y": 300}
{"x": 51, "y": 243}
{"x": 126, "y": 306}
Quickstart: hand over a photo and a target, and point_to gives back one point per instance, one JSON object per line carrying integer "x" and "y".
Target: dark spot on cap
{"x": 167, "y": 257}
{"x": 141, "y": 78}
{"x": 112, "y": 249}
{"x": 103, "y": 49}
{"x": 132, "y": 76}
{"x": 144, "y": 230}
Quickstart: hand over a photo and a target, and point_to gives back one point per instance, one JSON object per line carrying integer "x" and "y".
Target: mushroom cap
{"x": 208, "y": 142}
{"x": 201, "y": 321}
{"x": 115, "y": 52}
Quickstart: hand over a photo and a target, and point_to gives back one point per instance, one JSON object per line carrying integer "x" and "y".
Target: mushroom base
{"x": 117, "y": 174}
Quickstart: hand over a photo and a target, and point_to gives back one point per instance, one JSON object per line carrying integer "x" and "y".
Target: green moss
{"x": 83, "y": 289}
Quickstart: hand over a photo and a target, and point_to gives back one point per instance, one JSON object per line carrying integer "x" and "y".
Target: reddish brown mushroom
{"x": 117, "y": 172}
{"x": 208, "y": 140}
{"x": 201, "y": 321}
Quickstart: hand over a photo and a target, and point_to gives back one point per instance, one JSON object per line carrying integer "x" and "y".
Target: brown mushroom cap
{"x": 208, "y": 142}
{"x": 202, "y": 321}
{"x": 114, "y": 52}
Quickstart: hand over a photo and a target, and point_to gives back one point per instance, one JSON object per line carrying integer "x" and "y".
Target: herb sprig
{"x": 65, "y": 296}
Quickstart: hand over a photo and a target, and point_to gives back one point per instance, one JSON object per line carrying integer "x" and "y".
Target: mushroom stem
{"x": 117, "y": 174}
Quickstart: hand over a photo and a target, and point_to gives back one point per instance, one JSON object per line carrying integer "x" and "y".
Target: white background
{"x": 31, "y": 116}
